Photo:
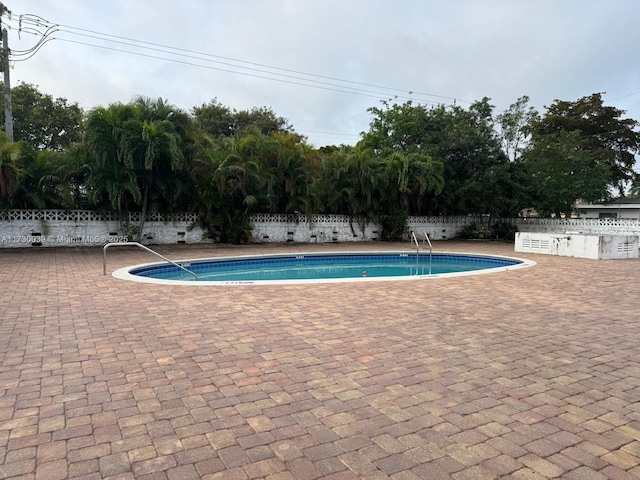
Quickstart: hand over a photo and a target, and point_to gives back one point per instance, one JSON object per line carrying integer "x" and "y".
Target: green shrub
{"x": 394, "y": 225}
{"x": 476, "y": 231}
{"x": 504, "y": 231}
{"x": 232, "y": 226}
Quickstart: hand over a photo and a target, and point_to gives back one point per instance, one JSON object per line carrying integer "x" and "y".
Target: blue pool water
{"x": 311, "y": 266}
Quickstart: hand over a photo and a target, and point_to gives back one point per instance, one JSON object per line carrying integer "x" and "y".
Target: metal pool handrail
{"x": 426, "y": 236}
{"x": 415, "y": 240}
{"x": 136, "y": 244}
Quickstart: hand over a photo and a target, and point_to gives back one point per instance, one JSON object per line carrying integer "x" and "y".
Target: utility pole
{"x": 8, "y": 112}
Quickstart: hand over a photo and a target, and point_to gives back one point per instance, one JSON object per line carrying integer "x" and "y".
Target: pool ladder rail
{"x": 136, "y": 244}
{"x": 426, "y": 240}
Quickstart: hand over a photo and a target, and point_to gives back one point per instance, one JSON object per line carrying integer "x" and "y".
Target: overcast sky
{"x": 327, "y": 61}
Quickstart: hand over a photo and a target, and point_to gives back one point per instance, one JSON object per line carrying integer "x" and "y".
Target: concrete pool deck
{"x": 525, "y": 374}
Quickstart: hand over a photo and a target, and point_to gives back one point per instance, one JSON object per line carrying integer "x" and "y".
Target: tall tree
{"x": 41, "y": 121}
{"x": 214, "y": 118}
{"x": 607, "y": 137}
{"x": 563, "y": 170}
{"x": 395, "y": 127}
{"x": 464, "y": 141}
{"x": 219, "y": 120}
{"x": 262, "y": 117}
{"x": 514, "y": 126}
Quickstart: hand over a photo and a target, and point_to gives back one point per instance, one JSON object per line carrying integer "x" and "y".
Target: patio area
{"x": 525, "y": 374}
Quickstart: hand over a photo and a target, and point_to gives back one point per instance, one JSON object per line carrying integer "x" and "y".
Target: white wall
{"x": 58, "y": 228}
{"x": 578, "y": 245}
{"x": 284, "y": 228}
{"x": 340, "y": 228}
{"x": 604, "y": 226}
{"x": 442, "y": 228}
{"x": 53, "y": 228}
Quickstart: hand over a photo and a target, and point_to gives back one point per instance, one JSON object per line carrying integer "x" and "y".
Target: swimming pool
{"x": 318, "y": 267}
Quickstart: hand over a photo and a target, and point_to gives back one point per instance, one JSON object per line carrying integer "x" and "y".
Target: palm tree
{"x": 37, "y": 183}
{"x": 335, "y": 192}
{"x": 136, "y": 146}
{"x": 412, "y": 176}
{"x": 296, "y": 165}
{"x": 226, "y": 179}
{"x": 160, "y": 143}
{"x": 11, "y": 166}
{"x": 112, "y": 137}
{"x": 355, "y": 182}
{"x": 109, "y": 133}
{"x": 52, "y": 182}
{"x": 118, "y": 182}
{"x": 74, "y": 169}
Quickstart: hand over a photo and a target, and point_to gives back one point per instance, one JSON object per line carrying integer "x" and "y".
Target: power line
{"x": 32, "y": 25}
{"x": 183, "y": 62}
{"x": 624, "y": 96}
{"x": 378, "y": 94}
{"x": 142, "y": 42}
{"x": 371, "y": 94}
{"x": 36, "y": 21}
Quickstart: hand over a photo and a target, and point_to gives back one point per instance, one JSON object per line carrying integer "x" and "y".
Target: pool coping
{"x": 123, "y": 273}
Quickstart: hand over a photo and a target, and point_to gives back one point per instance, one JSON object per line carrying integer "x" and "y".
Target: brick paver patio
{"x": 526, "y": 374}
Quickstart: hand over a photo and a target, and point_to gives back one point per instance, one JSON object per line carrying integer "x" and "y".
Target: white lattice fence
{"x": 617, "y": 226}
{"x": 61, "y": 228}
{"x": 26, "y": 228}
